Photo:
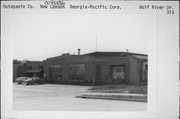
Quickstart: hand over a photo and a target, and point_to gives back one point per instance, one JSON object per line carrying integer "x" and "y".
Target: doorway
{"x": 55, "y": 73}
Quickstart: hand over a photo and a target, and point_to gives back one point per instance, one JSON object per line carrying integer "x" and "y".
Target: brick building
{"x": 97, "y": 68}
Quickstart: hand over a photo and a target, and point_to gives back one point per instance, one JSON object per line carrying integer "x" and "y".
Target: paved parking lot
{"x": 51, "y": 97}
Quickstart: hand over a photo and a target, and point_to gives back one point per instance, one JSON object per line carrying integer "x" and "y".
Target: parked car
{"x": 34, "y": 80}
{"x": 19, "y": 80}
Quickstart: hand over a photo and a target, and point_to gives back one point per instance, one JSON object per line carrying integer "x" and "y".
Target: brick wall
{"x": 90, "y": 65}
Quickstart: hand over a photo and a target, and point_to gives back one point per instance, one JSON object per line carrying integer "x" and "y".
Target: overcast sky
{"x": 40, "y": 36}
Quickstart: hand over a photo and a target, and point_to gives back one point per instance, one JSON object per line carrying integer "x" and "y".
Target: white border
{"x": 153, "y": 108}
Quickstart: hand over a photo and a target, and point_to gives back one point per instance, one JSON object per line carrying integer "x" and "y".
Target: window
{"x": 118, "y": 72}
{"x": 55, "y": 66}
{"x": 76, "y": 71}
{"x": 77, "y": 67}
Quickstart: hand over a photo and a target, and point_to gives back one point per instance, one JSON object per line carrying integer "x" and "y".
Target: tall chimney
{"x": 79, "y": 51}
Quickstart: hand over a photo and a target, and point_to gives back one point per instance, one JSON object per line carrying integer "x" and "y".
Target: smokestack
{"x": 79, "y": 51}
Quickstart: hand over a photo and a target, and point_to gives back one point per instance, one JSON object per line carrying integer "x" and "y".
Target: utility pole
{"x": 93, "y": 79}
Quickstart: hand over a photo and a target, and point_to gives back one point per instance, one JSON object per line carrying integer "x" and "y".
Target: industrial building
{"x": 97, "y": 68}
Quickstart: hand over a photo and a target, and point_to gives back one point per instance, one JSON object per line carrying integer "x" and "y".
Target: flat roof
{"x": 140, "y": 57}
{"x": 100, "y": 54}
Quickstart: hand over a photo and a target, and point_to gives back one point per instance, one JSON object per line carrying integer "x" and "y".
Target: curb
{"x": 124, "y": 98}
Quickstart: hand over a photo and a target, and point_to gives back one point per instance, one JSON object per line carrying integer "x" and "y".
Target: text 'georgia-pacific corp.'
{"x": 81, "y": 7}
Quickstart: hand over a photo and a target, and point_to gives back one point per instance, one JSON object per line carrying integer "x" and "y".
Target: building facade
{"x": 27, "y": 69}
{"x": 97, "y": 68}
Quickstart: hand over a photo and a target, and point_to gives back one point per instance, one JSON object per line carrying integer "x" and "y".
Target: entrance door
{"x": 145, "y": 72}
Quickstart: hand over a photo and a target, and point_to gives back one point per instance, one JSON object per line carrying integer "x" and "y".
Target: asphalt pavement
{"x": 56, "y": 97}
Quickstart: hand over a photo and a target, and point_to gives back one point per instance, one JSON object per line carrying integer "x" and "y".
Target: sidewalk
{"x": 115, "y": 96}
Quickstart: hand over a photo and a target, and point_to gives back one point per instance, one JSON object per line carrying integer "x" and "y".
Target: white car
{"x": 19, "y": 80}
{"x": 33, "y": 80}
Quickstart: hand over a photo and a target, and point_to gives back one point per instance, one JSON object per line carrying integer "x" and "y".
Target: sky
{"x": 41, "y": 36}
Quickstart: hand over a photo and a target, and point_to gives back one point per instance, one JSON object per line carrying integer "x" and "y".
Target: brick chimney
{"x": 79, "y": 51}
